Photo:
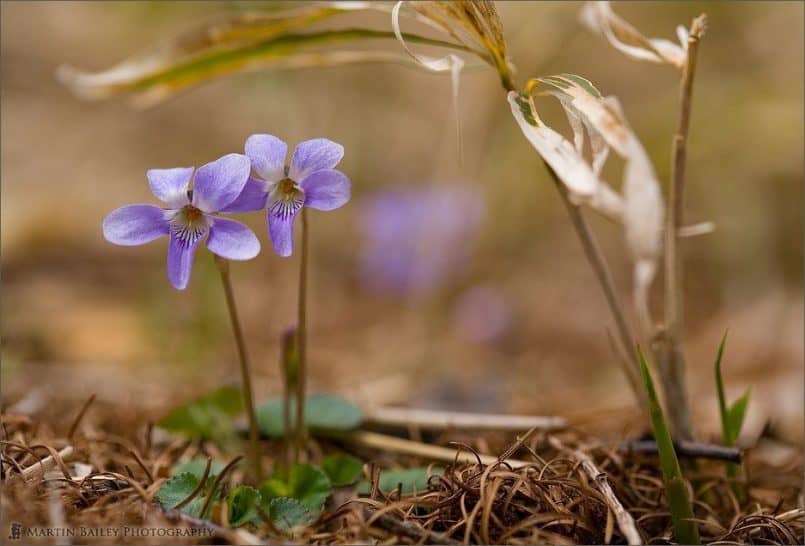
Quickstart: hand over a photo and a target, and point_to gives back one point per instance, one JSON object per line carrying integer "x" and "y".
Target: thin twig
{"x": 437, "y": 420}
{"x": 670, "y": 356}
{"x": 254, "y": 434}
{"x": 218, "y": 479}
{"x": 202, "y": 483}
{"x": 47, "y": 463}
{"x": 301, "y": 339}
{"x": 410, "y": 530}
{"x": 602, "y": 273}
{"x": 80, "y": 416}
{"x": 232, "y": 536}
{"x": 393, "y": 444}
{"x": 626, "y": 522}
{"x": 691, "y": 450}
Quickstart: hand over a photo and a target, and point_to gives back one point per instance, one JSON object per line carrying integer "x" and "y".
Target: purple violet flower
{"x": 417, "y": 239}
{"x": 310, "y": 181}
{"x": 189, "y": 216}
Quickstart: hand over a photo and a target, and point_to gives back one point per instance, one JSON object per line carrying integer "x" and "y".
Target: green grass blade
{"x": 156, "y": 78}
{"x": 735, "y": 416}
{"x": 685, "y": 530}
{"x": 722, "y": 400}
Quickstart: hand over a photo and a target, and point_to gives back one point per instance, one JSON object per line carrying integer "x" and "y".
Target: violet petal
{"x": 220, "y": 182}
{"x": 267, "y": 154}
{"x": 326, "y": 190}
{"x": 180, "y": 261}
{"x": 232, "y": 240}
{"x": 253, "y": 197}
{"x": 135, "y": 225}
{"x": 280, "y": 229}
{"x": 314, "y": 155}
{"x": 170, "y": 185}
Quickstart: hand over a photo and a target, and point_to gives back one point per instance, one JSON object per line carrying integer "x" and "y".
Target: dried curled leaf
{"x": 474, "y": 24}
{"x": 641, "y": 207}
{"x": 567, "y": 162}
{"x": 246, "y": 42}
{"x": 600, "y": 19}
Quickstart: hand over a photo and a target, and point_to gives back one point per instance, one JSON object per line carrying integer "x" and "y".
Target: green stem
{"x": 289, "y": 371}
{"x": 301, "y": 339}
{"x": 254, "y": 435}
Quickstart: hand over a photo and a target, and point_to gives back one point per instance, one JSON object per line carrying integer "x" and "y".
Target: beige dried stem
{"x": 668, "y": 344}
{"x": 638, "y": 208}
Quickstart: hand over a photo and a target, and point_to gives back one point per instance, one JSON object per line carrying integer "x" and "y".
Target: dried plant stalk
{"x": 626, "y": 522}
{"x": 669, "y": 355}
{"x": 437, "y": 420}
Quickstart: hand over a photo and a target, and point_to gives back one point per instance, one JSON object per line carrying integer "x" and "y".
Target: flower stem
{"x": 301, "y": 340}
{"x": 602, "y": 273}
{"x": 254, "y": 436}
{"x": 669, "y": 356}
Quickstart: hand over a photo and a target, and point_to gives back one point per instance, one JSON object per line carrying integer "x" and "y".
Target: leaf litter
{"x": 107, "y": 480}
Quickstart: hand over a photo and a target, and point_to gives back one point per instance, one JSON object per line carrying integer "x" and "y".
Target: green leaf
{"x": 244, "y": 43}
{"x": 732, "y": 417}
{"x": 176, "y": 489}
{"x": 287, "y": 513}
{"x": 196, "y": 467}
{"x": 322, "y": 412}
{"x": 305, "y": 483}
{"x": 735, "y": 416}
{"x": 179, "y": 487}
{"x": 242, "y": 505}
{"x": 722, "y": 400}
{"x": 208, "y": 417}
{"x": 685, "y": 530}
{"x": 342, "y": 469}
{"x": 410, "y": 480}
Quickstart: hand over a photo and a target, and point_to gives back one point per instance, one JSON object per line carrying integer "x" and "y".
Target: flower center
{"x": 189, "y": 225}
{"x": 286, "y": 199}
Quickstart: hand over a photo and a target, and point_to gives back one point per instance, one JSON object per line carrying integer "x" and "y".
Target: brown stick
{"x": 202, "y": 483}
{"x": 80, "y": 416}
{"x": 410, "y": 530}
{"x": 626, "y": 522}
{"x": 438, "y": 420}
{"x": 220, "y": 478}
{"x": 46, "y": 464}
{"x": 670, "y": 357}
{"x": 599, "y": 264}
{"x": 418, "y": 449}
{"x": 232, "y": 536}
{"x": 691, "y": 450}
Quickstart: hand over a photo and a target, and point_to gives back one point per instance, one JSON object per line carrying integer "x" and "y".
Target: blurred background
{"x": 445, "y": 282}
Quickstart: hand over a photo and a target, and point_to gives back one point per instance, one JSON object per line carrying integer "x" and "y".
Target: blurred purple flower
{"x": 189, "y": 216}
{"x": 482, "y": 314}
{"x": 416, "y": 239}
{"x": 309, "y": 181}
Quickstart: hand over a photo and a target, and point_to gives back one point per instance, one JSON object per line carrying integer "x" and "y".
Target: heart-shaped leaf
{"x": 208, "y": 416}
{"x": 242, "y": 505}
{"x": 196, "y": 467}
{"x": 409, "y": 480}
{"x": 179, "y": 487}
{"x": 305, "y": 483}
{"x": 322, "y": 412}
{"x": 342, "y": 469}
{"x": 287, "y": 513}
